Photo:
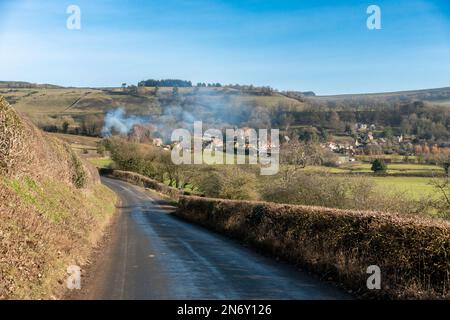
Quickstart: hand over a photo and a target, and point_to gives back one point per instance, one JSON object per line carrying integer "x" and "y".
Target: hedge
{"x": 412, "y": 253}
{"x": 143, "y": 181}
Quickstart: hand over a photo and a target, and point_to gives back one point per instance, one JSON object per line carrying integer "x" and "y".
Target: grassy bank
{"x": 53, "y": 210}
{"x": 46, "y": 227}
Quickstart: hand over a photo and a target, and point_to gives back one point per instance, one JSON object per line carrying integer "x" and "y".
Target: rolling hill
{"x": 83, "y": 109}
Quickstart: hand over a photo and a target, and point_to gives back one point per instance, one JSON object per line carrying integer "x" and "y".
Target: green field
{"x": 398, "y": 168}
{"x": 391, "y": 158}
{"x": 394, "y": 169}
{"x": 84, "y": 146}
{"x": 412, "y": 180}
{"x": 90, "y": 142}
{"x": 414, "y": 187}
{"x": 101, "y": 162}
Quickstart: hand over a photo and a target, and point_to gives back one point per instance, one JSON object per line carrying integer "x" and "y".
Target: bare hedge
{"x": 413, "y": 253}
{"x": 143, "y": 181}
{"x": 12, "y": 138}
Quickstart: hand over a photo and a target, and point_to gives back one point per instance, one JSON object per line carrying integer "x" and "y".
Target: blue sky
{"x": 318, "y": 45}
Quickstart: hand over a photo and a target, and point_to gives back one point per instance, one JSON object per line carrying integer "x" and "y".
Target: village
{"x": 364, "y": 143}
{"x": 373, "y": 141}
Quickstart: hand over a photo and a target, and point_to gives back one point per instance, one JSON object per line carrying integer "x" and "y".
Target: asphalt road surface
{"x": 154, "y": 255}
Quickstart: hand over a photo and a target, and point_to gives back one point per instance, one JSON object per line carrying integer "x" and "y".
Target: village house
{"x": 157, "y": 142}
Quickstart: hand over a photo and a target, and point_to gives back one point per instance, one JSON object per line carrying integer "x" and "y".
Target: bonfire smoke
{"x": 215, "y": 110}
{"x": 119, "y": 121}
{"x": 173, "y": 117}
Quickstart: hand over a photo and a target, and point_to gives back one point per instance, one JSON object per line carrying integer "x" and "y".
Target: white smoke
{"x": 119, "y": 121}
{"x": 215, "y": 110}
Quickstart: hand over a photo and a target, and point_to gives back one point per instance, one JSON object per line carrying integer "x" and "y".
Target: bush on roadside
{"x": 227, "y": 182}
{"x": 411, "y": 252}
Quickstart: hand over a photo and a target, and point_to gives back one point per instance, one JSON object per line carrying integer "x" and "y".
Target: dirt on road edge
{"x": 93, "y": 269}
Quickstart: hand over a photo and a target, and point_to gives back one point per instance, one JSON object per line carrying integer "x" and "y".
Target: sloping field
{"x": 46, "y": 106}
{"x": 436, "y": 94}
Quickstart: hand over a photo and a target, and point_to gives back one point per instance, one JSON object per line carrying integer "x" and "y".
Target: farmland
{"x": 81, "y": 112}
{"x": 410, "y": 180}
{"x": 47, "y": 107}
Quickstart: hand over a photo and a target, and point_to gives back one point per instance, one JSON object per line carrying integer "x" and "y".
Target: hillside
{"x": 23, "y": 84}
{"x": 424, "y": 94}
{"x": 52, "y": 209}
{"x": 436, "y": 96}
{"x": 423, "y": 116}
{"x": 48, "y": 107}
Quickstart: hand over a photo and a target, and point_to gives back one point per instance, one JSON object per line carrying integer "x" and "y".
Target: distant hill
{"x": 424, "y": 113}
{"x": 24, "y": 85}
{"x": 436, "y": 94}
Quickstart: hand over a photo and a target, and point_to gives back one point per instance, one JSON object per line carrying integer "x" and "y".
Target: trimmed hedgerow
{"x": 143, "y": 181}
{"x": 413, "y": 253}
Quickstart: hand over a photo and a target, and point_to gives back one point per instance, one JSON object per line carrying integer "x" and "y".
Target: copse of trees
{"x": 176, "y": 83}
{"x": 211, "y": 85}
{"x": 254, "y": 90}
{"x": 165, "y": 83}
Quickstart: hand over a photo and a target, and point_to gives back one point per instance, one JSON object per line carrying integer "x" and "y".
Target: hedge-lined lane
{"x": 159, "y": 256}
{"x": 412, "y": 253}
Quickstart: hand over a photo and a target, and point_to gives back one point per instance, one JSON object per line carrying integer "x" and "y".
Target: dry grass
{"x": 52, "y": 211}
{"x": 46, "y": 227}
{"x": 82, "y": 141}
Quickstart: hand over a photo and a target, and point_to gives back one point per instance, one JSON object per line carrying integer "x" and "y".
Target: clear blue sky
{"x": 317, "y": 45}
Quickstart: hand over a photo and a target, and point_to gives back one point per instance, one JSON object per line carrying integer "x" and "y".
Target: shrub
{"x": 411, "y": 252}
{"x": 227, "y": 182}
{"x": 79, "y": 176}
{"x": 379, "y": 166}
{"x": 101, "y": 149}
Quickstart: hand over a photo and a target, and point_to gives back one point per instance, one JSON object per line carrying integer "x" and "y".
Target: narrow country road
{"x": 154, "y": 255}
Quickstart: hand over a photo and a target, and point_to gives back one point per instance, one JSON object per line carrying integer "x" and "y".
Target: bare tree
{"x": 443, "y": 187}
